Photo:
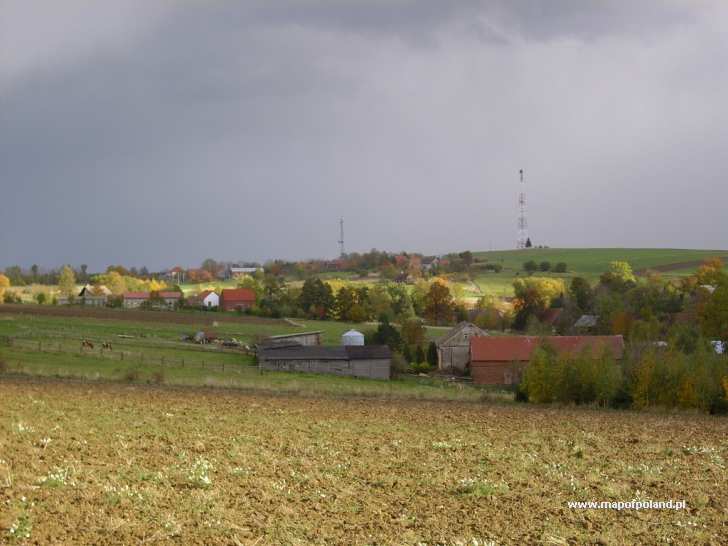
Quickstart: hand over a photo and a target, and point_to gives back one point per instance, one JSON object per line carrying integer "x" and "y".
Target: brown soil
{"x": 117, "y": 464}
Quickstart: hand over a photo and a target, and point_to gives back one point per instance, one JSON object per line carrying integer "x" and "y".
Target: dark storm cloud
{"x": 156, "y": 133}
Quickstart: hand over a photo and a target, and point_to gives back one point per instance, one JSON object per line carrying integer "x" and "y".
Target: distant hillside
{"x": 591, "y": 262}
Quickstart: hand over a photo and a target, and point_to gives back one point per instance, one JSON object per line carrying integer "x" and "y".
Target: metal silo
{"x": 352, "y": 337}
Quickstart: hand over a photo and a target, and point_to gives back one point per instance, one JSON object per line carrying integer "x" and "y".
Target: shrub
{"x": 545, "y": 266}
{"x": 560, "y": 267}
{"x": 530, "y": 266}
{"x": 131, "y": 375}
{"x": 158, "y": 377}
{"x": 399, "y": 365}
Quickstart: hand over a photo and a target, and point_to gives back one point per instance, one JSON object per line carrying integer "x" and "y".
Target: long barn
{"x": 371, "y": 361}
{"x": 501, "y": 360}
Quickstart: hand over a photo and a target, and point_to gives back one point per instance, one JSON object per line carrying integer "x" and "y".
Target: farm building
{"x": 586, "y": 323}
{"x": 132, "y": 300}
{"x": 453, "y": 349}
{"x": 352, "y": 337}
{"x": 207, "y": 299}
{"x": 304, "y": 339}
{"x": 170, "y": 298}
{"x": 373, "y": 361}
{"x": 95, "y": 296}
{"x": 500, "y": 360}
{"x": 237, "y": 299}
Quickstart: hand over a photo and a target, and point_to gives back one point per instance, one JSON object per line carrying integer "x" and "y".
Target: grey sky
{"x": 157, "y": 133}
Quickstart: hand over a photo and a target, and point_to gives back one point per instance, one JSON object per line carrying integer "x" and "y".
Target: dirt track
{"x": 677, "y": 266}
{"x": 135, "y": 315}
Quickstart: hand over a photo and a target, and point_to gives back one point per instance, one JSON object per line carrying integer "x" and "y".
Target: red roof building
{"x": 234, "y": 299}
{"x": 500, "y": 360}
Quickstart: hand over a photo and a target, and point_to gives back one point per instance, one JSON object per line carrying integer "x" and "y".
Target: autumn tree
{"x": 619, "y": 277}
{"x": 413, "y": 332}
{"x": 4, "y": 285}
{"x": 67, "y": 282}
{"x": 439, "y": 305}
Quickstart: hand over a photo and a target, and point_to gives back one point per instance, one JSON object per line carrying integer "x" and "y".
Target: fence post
{"x": 40, "y": 346}
{"x": 122, "y": 355}
{"x": 162, "y": 361}
{"x": 223, "y": 366}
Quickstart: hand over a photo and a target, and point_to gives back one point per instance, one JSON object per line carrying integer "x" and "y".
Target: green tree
{"x": 419, "y": 355}
{"x": 560, "y": 267}
{"x": 530, "y": 266}
{"x": 67, "y": 282}
{"x": 386, "y": 334}
{"x": 317, "y": 299}
{"x": 581, "y": 292}
{"x": 545, "y": 266}
{"x": 439, "y": 305}
{"x": 432, "y": 359}
{"x": 41, "y": 298}
{"x": 713, "y": 316}
{"x": 413, "y": 332}
{"x": 345, "y": 302}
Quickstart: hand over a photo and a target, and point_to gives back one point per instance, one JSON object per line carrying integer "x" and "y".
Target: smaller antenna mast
{"x": 522, "y": 222}
{"x": 341, "y": 237}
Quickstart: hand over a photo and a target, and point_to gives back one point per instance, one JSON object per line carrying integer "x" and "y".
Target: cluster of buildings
{"x": 304, "y": 353}
{"x": 229, "y": 299}
{"x": 501, "y": 360}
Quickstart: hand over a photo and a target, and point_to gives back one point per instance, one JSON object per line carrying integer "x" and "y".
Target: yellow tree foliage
{"x": 67, "y": 282}
{"x": 537, "y": 292}
{"x": 4, "y": 284}
{"x": 155, "y": 285}
{"x": 710, "y": 272}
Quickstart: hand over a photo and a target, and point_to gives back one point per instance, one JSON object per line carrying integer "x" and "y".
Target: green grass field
{"x": 153, "y": 352}
{"x": 584, "y": 262}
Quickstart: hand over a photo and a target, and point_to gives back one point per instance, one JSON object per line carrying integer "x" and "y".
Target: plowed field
{"x": 114, "y": 464}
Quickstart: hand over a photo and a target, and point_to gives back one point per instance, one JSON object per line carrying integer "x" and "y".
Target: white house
{"x": 209, "y": 299}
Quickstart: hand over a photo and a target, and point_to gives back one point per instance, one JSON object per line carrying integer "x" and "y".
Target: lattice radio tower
{"x": 341, "y": 237}
{"x": 522, "y": 222}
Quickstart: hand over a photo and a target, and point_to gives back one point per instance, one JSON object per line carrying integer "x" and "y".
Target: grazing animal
{"x": 85, "y": 343}
{"x": 107, "y": 345}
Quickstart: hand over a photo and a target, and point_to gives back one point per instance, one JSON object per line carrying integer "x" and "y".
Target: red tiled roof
{"x": 136, "y": 295}
{"x": 520, "y": 348}
{"x": 169, "y": 294}
{"x": 246, "y": 295}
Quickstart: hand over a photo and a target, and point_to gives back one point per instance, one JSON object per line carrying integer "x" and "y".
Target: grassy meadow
{"x": 153, "y": 352}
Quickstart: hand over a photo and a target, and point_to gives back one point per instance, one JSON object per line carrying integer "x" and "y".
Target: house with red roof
{"x": 237, "y": 299}
{"x": 132, "y": 300}
{"x": 500, "y": 360}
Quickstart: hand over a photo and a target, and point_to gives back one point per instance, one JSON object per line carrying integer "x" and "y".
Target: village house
{"x": 372, "y": 361}
{"x": 237, "y": 299}
{"x": 133, "y": 300}
{"x": 170, "y": 299}
{"x": 453, "y": 349}
{"x": 95, "y": 296}
{"x": 500, "y": 360}
{"x": 207, "y": 299}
